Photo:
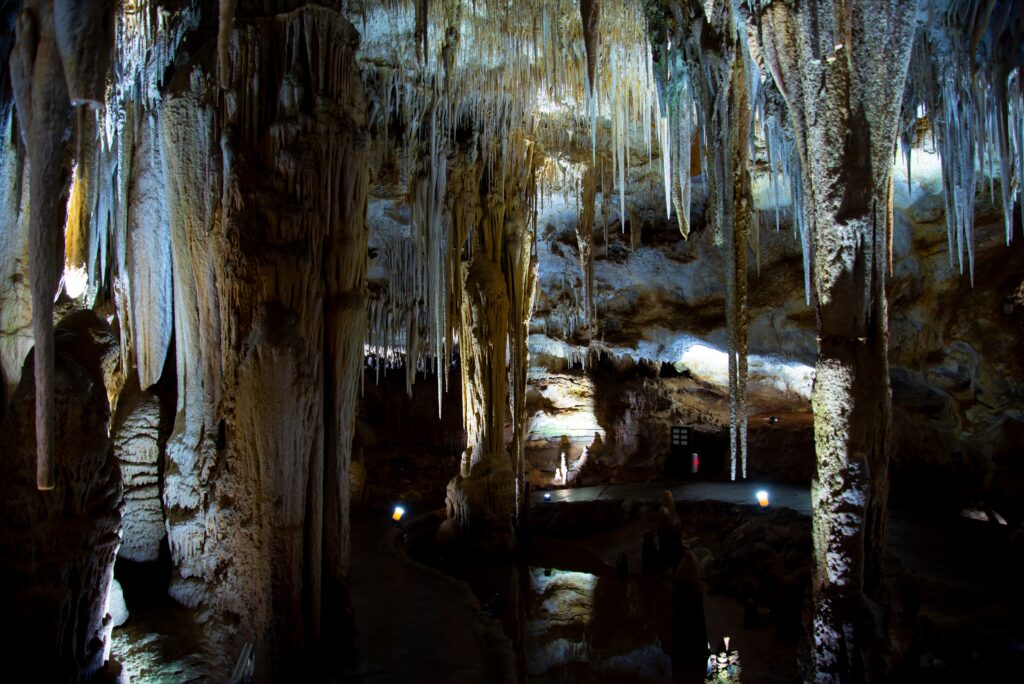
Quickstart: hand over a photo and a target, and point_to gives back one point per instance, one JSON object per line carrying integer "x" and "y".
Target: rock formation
{"x": 269, "y": 259}
{"x": 845, "y": 134}
{"x": 59, "y": 545}
{"x": 555, "y": 216}
{"x": 136, "y": 440}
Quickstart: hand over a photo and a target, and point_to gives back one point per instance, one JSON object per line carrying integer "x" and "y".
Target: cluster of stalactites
{"x": 966, "y": 79}
{"x": 146, "y": 39}
{"x": 708, "y": 77}
{"x": 474, "y": 55}
{"x": 412, "y": 318}
{"x": 457, "y": 74}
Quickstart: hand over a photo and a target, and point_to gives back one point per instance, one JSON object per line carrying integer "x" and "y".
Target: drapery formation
{"x": 270, "y": 179}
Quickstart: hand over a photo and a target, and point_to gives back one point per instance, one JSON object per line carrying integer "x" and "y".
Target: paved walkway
{"x": 414, "y": 624}
{"x": 789, "y": 496}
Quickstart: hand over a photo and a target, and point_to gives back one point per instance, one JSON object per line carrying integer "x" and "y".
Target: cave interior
{"x": 512, "y": 340}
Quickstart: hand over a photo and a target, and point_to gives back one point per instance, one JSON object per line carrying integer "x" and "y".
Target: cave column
{"x": 498, "y": 287}
{"x": 480, "y": 498}
{"x": 266, "y": 167}
{"x": 841, "y": 68}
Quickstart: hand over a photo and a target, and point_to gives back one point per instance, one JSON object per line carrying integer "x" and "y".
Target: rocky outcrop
{"x": 58, "y": 547}
{"x": 16, "y": 308}
{"x": 135, "y": 436}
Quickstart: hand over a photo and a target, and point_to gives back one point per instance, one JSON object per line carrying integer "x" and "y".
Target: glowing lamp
{"x": 547, "y": 496}
{"x": 397, "y": 514}
{"x": 762, "y": 499}
{"x": 694, "y": 463}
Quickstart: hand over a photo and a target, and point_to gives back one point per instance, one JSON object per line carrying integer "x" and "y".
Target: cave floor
{"x": 413, "y": 623}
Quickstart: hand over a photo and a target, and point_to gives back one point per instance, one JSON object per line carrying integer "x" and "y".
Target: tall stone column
{"x": 267, "y": 179}
{"x": 841, "y": 67}
{"x": 498, "y": 287}
{"x": 480, "y": 498}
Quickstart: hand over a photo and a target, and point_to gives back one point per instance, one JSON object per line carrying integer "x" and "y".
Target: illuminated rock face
{"x": 57, "y": 548}
{"x": 135, "y": 437}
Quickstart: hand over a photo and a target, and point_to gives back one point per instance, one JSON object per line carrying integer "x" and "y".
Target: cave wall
{"x": 956, "y": 386}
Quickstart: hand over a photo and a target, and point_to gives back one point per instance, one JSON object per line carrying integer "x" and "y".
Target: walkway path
{"x": 789, "y": 496}
{"x": 414, "y": 624}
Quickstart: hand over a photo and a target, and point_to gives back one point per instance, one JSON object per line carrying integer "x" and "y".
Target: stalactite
{"x": 590, "y": 14}
{"x": 741, "y": 198}
{"x": 965, "y": 78}
{"x": 44, "y": 111}
{"x": 585, "y": 247}
{"x": 712, "y": 67}
{"x": 224, "y": 25}
{"x": 680, "y": 136}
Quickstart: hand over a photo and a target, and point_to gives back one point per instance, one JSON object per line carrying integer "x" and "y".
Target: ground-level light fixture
{"x": 762, "y": 498}
{"x": 547, "y": 496}
{"x": 397, "y": 514}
